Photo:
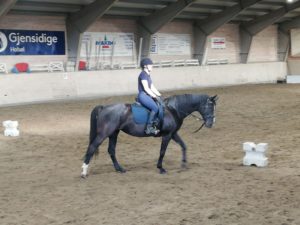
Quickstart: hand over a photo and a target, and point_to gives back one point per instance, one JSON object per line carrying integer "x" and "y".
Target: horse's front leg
{"x": 179, "y": 141}
{"x": 163, "y": 148}
{"x": 112, "y": 151}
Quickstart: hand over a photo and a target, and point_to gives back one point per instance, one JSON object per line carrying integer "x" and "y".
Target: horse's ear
{"x": 214, "y": 98}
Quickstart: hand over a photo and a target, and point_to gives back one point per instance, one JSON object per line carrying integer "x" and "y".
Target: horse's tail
{"x": 94, "y": 122}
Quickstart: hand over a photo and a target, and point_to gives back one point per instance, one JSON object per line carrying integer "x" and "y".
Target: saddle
{"x": 141, "y": 114}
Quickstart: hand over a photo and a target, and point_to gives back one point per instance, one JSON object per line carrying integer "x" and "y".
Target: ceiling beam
{"x": 207, "y": 6}
{"x": 5, "y": 6}
{"x": 129, "y": 11}
{"x": 37, "y": 13}
{"x": 79, "y": 22}
{"x": 149, "y": 25}
{"x": 205, "y": 27}
{"x": 258, "y": 10}
{"x": 45, "y": 6}
{"x": 292, "y": 24}
{"x": 257, "y": 25}
{"x": 161, "y": 17}
{"x": 251, "y": 28}
{"x": 273, "y": 3}
{"x": 145, "y": 2}
{"x": 89, "y": 14}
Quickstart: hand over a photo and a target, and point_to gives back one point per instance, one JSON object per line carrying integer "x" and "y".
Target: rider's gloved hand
{"x": 160, "y": 100}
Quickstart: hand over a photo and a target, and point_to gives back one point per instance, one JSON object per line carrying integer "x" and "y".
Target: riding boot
{"x": 151, "y": 129}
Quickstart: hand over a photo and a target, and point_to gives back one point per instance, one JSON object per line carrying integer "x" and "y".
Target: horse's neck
{"x": 186, "y": 104}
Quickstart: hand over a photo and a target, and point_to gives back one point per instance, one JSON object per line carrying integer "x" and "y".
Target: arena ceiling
{"x": 134, "y": 9}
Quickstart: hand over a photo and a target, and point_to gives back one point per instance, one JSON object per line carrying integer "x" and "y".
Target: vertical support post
{"x": 140, "y": 51}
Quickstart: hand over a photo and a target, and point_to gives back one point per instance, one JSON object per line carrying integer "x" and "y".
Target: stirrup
{"x": 152, "y": 130}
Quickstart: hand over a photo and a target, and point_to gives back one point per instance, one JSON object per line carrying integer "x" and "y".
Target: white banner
{"x": 171, "y": 44}
{"x": 98, "y": 44}
{"x": 218, "y": 42}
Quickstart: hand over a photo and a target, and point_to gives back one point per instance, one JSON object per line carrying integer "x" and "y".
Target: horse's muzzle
{"x": 208, "y": 125}
{"x": 210, "y": 122}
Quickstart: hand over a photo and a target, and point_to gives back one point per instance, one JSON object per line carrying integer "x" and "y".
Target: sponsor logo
{"x": 42, "y": 38}
{"x": 105, "y": 43}
{"x": 3, "y": 42}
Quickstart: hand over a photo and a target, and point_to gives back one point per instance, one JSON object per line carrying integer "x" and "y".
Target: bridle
{"x": 197, "y": 117}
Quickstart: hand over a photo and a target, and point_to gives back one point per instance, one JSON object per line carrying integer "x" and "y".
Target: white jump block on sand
{"x": 11, "y": 128}
{"x": 293, "y": 79}
{"x": 255, "y": 154}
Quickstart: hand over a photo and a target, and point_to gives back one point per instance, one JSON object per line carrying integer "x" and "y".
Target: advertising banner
{"x": 154, "y": 45}
{"x": 218, "y": 42}
{"x": 171, "y": 44}
{"x": 99, "y": 44}
{"x": 32, "y": 42}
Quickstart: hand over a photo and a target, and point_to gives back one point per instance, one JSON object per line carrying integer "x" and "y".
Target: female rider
{"x": 147, "y": 94}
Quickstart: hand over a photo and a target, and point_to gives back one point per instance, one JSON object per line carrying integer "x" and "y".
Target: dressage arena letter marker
{"x": 11, "y": 128}
{"x": 255, "y": 154}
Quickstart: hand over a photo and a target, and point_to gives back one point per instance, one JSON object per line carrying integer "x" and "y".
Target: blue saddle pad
{"x": 140, "y": 113}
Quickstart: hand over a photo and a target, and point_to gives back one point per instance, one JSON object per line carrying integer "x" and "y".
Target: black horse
{"x": 107, "y": 121}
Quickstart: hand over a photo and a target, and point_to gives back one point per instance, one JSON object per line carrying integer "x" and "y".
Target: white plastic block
{"x": 249, "y": 146}
{"x": 262, "y": 147}
{"x": 11, "y": 128}
{"x": 293, "y": 79}
{"x": 255, "y": 154}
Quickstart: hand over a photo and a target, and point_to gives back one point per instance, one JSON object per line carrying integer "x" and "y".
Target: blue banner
{"x": 32, "y": 42}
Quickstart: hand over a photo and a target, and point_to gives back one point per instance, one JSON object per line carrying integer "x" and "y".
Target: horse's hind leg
{"x": 112, "y": 151}
{"x": 90, "y": 152}
{"x": 179, "y": 141}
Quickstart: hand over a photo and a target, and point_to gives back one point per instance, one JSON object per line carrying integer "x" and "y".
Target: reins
{"x": 197, "y": 118}
{"x": 202, "y": 125}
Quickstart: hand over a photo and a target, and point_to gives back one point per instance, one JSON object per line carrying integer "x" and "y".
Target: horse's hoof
{"x": 184, "y": 166}
{"x": 83, "y": 176}
{"x": 121, "y": 170}
{"x": 162, "y": 171}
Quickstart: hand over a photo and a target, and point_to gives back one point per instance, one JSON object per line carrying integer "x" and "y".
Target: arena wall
{"x": 293, "y": 61}
{"x": 28, "y": 88}
{"x": 35, "y": 87}
{"x": 295, "y": 45}
{"x": 231, "y": 53}
{"x": 293, "y": 65}
{"x": 264, "y": 46}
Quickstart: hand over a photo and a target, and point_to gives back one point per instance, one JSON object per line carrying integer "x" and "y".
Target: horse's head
{"x": 207, "y": 111}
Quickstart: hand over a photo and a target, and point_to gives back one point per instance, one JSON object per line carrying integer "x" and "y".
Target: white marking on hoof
{"x": 84, "y": 170}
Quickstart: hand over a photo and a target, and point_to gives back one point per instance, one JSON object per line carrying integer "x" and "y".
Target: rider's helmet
{"x": 145, "y": 62}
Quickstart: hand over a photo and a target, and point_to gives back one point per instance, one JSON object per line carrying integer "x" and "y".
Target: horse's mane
{"x": 185, "y": 99}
